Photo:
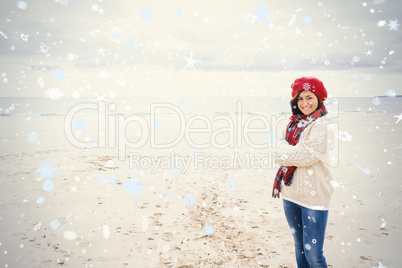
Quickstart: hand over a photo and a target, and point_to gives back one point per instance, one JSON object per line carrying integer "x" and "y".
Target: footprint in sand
{"x": 82, "y": 242}
{"x": 366, "y": 258}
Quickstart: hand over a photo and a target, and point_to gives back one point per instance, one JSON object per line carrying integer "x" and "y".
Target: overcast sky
{"x": 198, "y": 48}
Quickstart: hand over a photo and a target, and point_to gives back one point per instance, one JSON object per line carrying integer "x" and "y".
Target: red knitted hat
{"x": 309, "y": 83}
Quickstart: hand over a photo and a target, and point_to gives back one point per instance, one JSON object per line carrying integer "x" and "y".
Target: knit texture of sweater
{"x": 312, "y": 184}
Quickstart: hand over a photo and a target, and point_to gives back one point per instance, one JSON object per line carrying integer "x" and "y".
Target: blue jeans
{"x": 308, "y": 230}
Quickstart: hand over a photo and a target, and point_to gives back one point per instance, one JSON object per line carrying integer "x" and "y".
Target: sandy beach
{"x": 66, "y": 206}
{"x": 137, "y": 133}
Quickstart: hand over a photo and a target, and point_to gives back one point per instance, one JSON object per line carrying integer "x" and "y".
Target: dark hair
{"x": 295, "y": 108}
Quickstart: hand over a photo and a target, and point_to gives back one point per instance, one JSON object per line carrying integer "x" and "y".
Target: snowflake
{"x": 109, "y": 164}
{"x": 43, "y": 48}
{"x": 182, "y": 101}
{"x": 71, "y": 56}
{"x": 37, "y": 227}
{"x": 146, "y": 14}
{"x": 310, "y": 119}
{"x": 40, "y": 200}
{"x": 116, "y": 32}
{"x": 399, "y": 118}
{"x": 393, "y": 25}
{"x": 104, "y": 74}
{"x": 101, "y": 50}
{"x": 370, "y": 43}
{"x": 24, "y": 37}
{"x": 100, "y": 11}
{"x": 231, "y": 182}
{"x": 4, "y": 35}
{"x": 106, "y": 231}
{"x": 76, "y": 95}
{"x": 166, "y": 247}
{"x": 70, "y": 235}
{"x": 59, "y": 73}
{"x": 306, "y": 86}
{"x": 132, "y": 187}
{"x": 175, "y": 173}
{"x": 101, "y": 178}
{"x": 53, "y": 94}
{"x": 22, "y": 5}
{"x": 380, "y": 265}
{"x": 376, "y": 101}
{"x": 48, "y": 185}
{"x": 189, "y": 199}
{"x": 112, "y": 93}
{"x": 145, "y": 223}
{"x": 95, "y": 7}
{"x": 383, "y": 224}
{"x": 47, "y": 170}
{"x": 261, "y": 14}
{"x": 63, "y": 2}
{"x": 391, "y": 93}
{"x": 32, "y": 137}
{"x": 190, "y": 61}
{"x": 105, "y": 179}
{"x": 55, "y": 224}
{"x": 209, "y": 230}
{"x": 366, "y": 170}
{"x": 304, "y": 123}
{"x": 131, "y": 41}
{"x": 276, "y": 192}
{"x": 343, "y": 136}
{"x": 381, "y": 23}
{"x": 41, "y": 82}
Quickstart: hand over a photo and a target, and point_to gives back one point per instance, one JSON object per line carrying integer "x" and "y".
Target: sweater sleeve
{"x": 312, "y": 147}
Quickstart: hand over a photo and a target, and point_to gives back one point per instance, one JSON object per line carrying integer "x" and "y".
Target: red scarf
{"x": 298, "y": 122}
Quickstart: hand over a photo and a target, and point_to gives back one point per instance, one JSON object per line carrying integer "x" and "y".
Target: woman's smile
{"x": 307, "y": 102}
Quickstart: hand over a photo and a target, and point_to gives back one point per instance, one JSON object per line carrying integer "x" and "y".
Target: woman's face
{"x": 307, "y": 102}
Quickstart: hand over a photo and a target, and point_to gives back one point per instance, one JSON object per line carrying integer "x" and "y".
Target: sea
{"x": 40, "y": 106}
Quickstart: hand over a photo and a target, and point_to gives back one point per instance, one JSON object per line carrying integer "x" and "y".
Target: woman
{"x": 303, "y": 180}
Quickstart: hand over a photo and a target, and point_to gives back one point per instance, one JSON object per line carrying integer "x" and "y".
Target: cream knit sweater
{"x": 312, "y": 184}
